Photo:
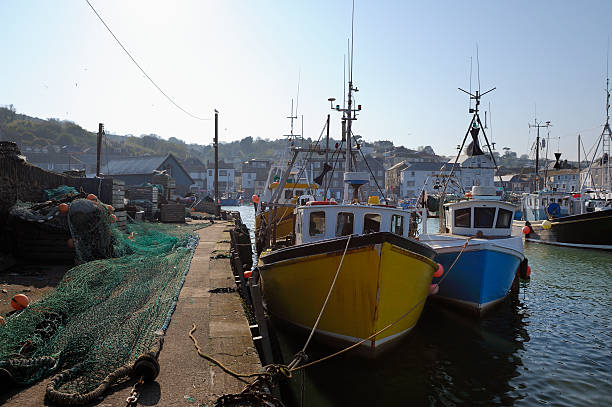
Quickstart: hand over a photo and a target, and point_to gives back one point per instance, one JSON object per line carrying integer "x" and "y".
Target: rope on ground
{"x": 227, "y": 370}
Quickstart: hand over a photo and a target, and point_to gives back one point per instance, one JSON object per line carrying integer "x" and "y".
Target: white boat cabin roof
{"x": 316, "y": 222}
{"x": 485, "y": 217}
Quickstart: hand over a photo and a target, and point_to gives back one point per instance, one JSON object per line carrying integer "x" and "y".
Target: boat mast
{"x": 538, "y": 125}
{"x": 348, "y": 113}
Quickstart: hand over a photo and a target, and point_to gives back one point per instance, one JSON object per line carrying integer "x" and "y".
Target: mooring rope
{"x": 296, "y": 368}
{"x": 298, "y": 357}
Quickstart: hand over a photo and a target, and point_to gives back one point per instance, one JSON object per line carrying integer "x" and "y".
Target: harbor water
{"x": 551, "y": 346}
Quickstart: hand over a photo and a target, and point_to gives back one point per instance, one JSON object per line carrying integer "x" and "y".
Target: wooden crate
{"x": 121, "y": 220}
{"x": 143, "y": 193}
{"x": 173, "y": 212}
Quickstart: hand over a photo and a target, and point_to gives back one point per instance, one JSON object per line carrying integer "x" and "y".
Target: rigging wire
{"x": 142, "y": 70}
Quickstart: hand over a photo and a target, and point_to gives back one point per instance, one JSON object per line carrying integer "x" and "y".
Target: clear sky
{"x": 244, "y": 58}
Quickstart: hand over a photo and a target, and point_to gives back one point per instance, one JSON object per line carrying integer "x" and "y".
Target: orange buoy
{"x": 92, "y": 197}
{"x": 440, "y": 271}
{"x": 247, "y": 274}
{"x": 110, "y": 208}
{"x": 526, "y": 230}
{"x": 433, "y": 289}
{"x": 63, "y": 208}
{"x": 20, "y": 301}
{"x": 70, "y": 243}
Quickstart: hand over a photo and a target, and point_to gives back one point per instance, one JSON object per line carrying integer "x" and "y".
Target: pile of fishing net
{"x": 60, "y": 192}
{"x": 105, "y": 314}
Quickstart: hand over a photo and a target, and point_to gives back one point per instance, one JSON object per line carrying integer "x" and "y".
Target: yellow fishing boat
{"x": 281, "y": 213}
{"x": 384, "y": 278}
{"x": 349, "y": 273}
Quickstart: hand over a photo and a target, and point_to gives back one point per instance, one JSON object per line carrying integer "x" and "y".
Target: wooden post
{"x": 216, "y": 143}
{"x": 99, "y": 148}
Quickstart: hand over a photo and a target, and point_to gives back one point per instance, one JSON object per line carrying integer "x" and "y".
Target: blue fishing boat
{"x": 475, "y": 245}
{"x": 478, "y": 252}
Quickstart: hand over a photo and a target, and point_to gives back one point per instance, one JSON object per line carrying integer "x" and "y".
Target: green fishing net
{"x": 60, "y": 192}
{"x": 106, "y": 311}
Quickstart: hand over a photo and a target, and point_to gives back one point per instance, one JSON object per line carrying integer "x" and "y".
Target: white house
{"x": 469, "y": 171}
{"x": 226, "y": 178}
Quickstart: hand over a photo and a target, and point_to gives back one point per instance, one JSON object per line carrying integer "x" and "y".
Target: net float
{"x": 63, "y": 208}
{"x": 440, "y": 271}
{"x": 20, "y": 301}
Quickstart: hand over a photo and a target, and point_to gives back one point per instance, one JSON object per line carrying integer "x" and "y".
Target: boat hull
{"x": 483, "y": 273}
{"x": 229, "y": 202}
{"x": 480, "y": 278}
{"x": 383, "y": 277}
{"x": 589, "y": 230}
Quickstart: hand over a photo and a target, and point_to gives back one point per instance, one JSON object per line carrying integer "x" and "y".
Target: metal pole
{"x": 99, "y": 148}
{"x": 326, "y": 157}
{"x": 579, "y": 181}
{"x": 537, "y": 159}
{"x": 216, "y": 183}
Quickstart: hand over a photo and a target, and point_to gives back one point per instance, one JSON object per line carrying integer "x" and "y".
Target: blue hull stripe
{"x": 479, "y": 277}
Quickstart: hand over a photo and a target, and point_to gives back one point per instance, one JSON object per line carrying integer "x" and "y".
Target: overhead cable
{"x": 142, "y": 70}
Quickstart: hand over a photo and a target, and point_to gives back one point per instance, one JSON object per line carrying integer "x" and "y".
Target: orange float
{"x": 20, "y": 301}
{"x": 440, "y": 271}
{"x": 92, "y": 197}
{"x": 70, "y": 243}
{"x": 63, "y": 208}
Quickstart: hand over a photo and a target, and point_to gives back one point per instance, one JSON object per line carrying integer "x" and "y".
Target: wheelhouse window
{"x": 317, "y": 223}
{"x": 371, "y": 223}
{"x": 397, "y": 224}
{"x": 504, "y": 219}
{"x": 483, "y": 217}
{"x": 463, "y": 217}
{"x": 288, "y": 193}
{"x": 344, "y": 224}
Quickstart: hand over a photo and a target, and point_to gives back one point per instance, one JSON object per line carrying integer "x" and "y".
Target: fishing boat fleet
{"x": 357, "y": 272}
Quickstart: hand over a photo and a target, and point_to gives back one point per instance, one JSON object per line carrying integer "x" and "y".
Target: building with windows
{"x": 393, "y": 180}
{"x": 517, "y": 183}
{"x": 472, "y": 169}
{"x": 139, "y": 170}
{"x": 197, "y": 171}
{"x": 565, "y": 180}
{"x": 226, "y": 178}
{"x": 254, "y": 176}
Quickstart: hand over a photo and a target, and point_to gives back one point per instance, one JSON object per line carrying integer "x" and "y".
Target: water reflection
{"x": 449, "y": 359}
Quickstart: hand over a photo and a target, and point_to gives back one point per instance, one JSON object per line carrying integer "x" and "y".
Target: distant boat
{"x": 582, "y": 219}
{"x": 562, "y": 219}
{"x": 229, "y": 201}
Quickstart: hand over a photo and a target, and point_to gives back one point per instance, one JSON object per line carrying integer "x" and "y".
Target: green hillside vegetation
{"x": 35, "y": 132}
